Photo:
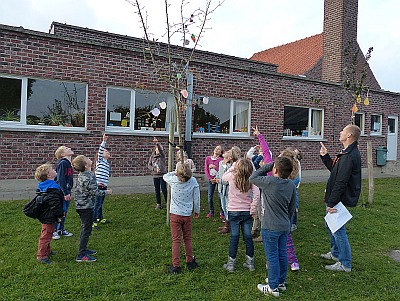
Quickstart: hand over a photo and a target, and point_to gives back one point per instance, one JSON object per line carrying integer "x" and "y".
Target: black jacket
{"x": 52, "y": 206}
{"x": 344, "y": 183}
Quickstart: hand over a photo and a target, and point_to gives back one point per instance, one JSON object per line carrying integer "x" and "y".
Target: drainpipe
{"x": 188, "y": 112}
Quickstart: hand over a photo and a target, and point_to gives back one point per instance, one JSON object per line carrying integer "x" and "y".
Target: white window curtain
{"x": 241, "y": 114}
{"x": 316, "y": 122}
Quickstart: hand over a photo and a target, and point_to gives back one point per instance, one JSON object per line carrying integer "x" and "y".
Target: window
{"x": 221, "y": 116}
{"x": 359, "y": 120}
{"x": 129, "y": 110}
{"x": 376, "y": 124}
{"x": 39, "y": 102}
{"x": 303, "y": 122}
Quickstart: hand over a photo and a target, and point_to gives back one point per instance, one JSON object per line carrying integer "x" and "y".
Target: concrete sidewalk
{"x": 25, "y": 189}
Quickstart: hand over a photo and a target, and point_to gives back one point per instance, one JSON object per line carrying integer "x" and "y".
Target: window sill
{"x": 378, "y": 135}
{"x": 43, "y": 129}
{"x": 300, "y": 138}
{"x": 225, "y": 136}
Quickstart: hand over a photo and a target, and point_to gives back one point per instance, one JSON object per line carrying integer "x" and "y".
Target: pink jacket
{"x": 207, "y": 162}
{"x": 266, "y": 151}
{"x": 241, "y": 201}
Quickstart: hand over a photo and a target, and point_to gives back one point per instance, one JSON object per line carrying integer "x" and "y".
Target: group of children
{"x": 56, "y": 187}
{"x": 258, "y": 195}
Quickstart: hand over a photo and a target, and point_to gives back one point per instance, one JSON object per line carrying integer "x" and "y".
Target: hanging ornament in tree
{"x": 155, "y": 112}
{"x": 193, "y": 37}
{"x": 163, "y": 105}
{"x": 359, "y": 98}
{"x": 178, "y": 76}
{"x": 186, "y": 42}
{"x": 366, "y": 101}
{"x": 205, "y": 100}
{"x": 354, "y": 109}
{"x": 185, "y": 93}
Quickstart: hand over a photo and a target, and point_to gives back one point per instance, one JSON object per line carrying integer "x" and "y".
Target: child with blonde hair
{"x": 185, "y": 201}
{"x": 185, "y": 160}
{"x": 85, "y": 196}
{"x": 51, "y": 209}
{"x": 243, "y": 200}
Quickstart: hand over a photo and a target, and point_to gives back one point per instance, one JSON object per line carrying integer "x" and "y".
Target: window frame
{"x": 309, "y": 135}
{"x": 362, "y": 127}
{"x": 22, "y": 123}
{"x": 378, "y": 133}
{"x": 232, "y": 133}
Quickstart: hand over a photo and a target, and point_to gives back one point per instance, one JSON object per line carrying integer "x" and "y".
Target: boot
{"x": 230, "y": 265}
{"x": 191, "y": 265}
{"x": 224, "y": 229}
{"x": 249, "y": 263}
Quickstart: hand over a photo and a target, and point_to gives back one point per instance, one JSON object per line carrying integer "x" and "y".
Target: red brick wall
{"x": 42, "y": 55}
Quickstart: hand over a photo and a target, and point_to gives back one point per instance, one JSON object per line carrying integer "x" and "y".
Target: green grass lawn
{"x": 135, "y": 249}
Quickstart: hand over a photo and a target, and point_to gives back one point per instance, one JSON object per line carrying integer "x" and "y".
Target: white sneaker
{"x": 264, "y": 288}
{"x": 294, "y": 266}
{"x": 338, "y": 267}
{"x": 56, "y": 236}
{"x": 66, "y": 233}
{"x": 281, "y": 287}
{"x": 329, "y": 256}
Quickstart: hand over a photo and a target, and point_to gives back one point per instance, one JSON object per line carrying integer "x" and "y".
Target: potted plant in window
{"x": 78, "y": 119}
{"x": 9, "y": 115}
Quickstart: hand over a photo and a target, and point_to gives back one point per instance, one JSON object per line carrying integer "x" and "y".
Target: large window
{"x": 129, "y": 109}
{"x": 303, "y": 122}
{"x": 376, "y": 124}
{"x": 39, "y": 102}
{"x": 221, "y": 116}
{"x": 359, "y": 120}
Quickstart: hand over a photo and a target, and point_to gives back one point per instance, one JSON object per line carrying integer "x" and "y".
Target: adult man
{"x": 344, "y": 185}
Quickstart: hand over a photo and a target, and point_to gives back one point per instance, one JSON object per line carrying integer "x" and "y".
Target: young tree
{"x": 171, "y": 60}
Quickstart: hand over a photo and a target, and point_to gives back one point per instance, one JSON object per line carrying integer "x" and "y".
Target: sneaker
{"x": 66, "y": 233}
{"x": 294, "y": 227}
{"x": 45, "y": 260}
{"x": 329, "y": 256}
{"x": 95, "y": 226}
{"x": 294, "y": 266}
{"x": 56, "y": 235}
{"x": 158, "y": 206}
{"x": 52, "y": 253}
{"x": 221, "y": 215}
{"x": 174, "y": 270}
{"x": 91, "y": 252}
{"x": 210, "y": 215}
{"x": 338, "y": 267}
{"x": 85, "y": 258}
{"x": 281, "y": 287}
{"x": 105, "y": 221}
{"x": 192, "y": 264}
{"x": 267, "y": 290}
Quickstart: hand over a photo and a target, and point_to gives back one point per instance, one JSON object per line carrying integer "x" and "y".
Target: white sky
{"x": 239, "y": 28}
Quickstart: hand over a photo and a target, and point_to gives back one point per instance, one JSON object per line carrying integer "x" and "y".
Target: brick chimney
{"x": 340, "y": 32}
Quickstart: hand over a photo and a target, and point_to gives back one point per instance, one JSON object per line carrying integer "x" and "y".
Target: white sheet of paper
{"x": 115, "y": 116}
{"x": 336, "y": 220}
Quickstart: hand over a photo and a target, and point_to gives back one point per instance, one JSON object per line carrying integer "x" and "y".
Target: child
{"x": 185, "y": 199}
{"x": 243, "y": 200}
{"x": 230, "y": 157}
{"x": 186, "y": 160}
{"x": 297, "y": 180}
{"x": 277, "y": 209}
{"x": 157, "y": 165}
{"x": 65, "y": 178}
{"x": 52, "y": 209}
{"x": 85, "y": 195}
{"x": 102, "y": 175}
{"x": 211, "y": 165}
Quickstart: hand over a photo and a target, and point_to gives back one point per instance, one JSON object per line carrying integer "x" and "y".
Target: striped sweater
{"x": 102, "y": 167}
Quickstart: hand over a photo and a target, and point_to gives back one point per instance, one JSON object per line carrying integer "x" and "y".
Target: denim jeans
{"x": 86, "y": 216}
{"x": 60, "y": 226}
{"x": 98, "y": 205}
{"x": 275, "y": 252}
{"x": 340, "y": 246}
{"x": 240, "y": 220}
{"x": 294, "y": 219}
{"x": 224, "y": 199}
{"x": 211, "y": 190}
{"x": 160, "y": 183}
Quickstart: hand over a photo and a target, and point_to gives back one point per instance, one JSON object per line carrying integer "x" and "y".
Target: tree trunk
{"x": 371, "y": 188}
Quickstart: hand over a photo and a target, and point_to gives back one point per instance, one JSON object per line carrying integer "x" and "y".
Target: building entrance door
{"x": 393, "y": 126}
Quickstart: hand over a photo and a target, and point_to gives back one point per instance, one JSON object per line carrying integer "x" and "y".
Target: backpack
{"x": 33, "y": 209}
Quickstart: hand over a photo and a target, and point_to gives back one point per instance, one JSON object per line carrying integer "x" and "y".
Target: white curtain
{"x": 316, "y": 122}
{"x": 241, "y": 116}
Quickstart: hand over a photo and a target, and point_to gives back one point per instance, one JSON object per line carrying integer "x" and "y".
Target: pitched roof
{"x": 294, "y": 58}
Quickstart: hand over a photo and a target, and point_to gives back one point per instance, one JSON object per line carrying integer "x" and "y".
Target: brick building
{"x": 70, "y": 85}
